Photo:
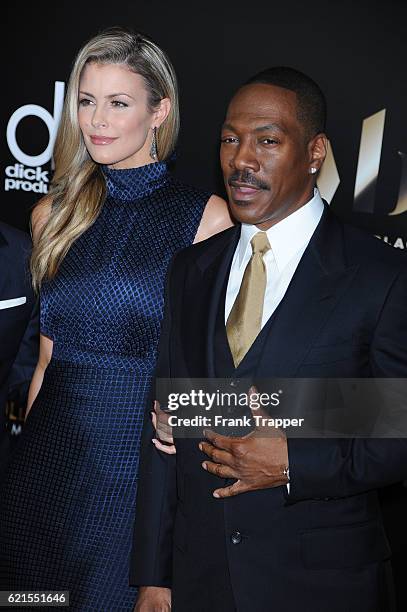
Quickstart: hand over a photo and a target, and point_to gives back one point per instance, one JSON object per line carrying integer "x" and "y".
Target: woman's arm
{"x": 46, "y": 345}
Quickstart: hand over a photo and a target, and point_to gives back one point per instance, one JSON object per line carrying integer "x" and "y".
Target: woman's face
{"x": 114, "y": 117}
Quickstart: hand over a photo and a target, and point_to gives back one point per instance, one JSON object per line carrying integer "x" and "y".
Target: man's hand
{"x": 153, "y": 599}
{"x": 164, "y": 440}
{"x": 257, "y": 461}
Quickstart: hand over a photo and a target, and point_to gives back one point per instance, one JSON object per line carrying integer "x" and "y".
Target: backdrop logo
{"x": 367, "y": 172}
{"x": 27, "y": 174}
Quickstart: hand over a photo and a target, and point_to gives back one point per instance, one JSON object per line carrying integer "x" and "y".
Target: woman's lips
{"x": 101, "y": 140}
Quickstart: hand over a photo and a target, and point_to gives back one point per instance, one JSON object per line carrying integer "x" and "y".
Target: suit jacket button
{"x": 234, "y": 382}
{"x": 236, "y": 537}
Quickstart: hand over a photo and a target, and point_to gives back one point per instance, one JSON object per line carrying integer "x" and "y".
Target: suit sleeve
{"x": 151, "y": 557}
{"x": 334, "y": 468}
{"x": 26, "y": 359}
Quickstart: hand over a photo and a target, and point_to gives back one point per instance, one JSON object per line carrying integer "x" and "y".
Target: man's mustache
{"x": 248, "y": 179}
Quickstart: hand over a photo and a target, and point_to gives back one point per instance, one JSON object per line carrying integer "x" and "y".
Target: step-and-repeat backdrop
{"x": 356, "y": 51}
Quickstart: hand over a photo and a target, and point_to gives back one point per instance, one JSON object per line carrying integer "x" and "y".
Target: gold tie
{"x": 244, "y": 320}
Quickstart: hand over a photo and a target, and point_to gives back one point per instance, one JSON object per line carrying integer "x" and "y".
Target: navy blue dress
{"x": 68, "y": 500}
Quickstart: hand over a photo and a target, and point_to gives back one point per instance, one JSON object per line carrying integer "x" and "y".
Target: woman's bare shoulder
{"x": 215, "y": 218}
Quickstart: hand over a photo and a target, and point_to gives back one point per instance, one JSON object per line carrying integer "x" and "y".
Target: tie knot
{"x": 260, "y": 243}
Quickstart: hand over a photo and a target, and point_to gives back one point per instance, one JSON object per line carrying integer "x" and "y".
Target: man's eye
{"x": 228, "y": 139}
{"x": 269, "y": 141}
{"x": 119, "y": 104}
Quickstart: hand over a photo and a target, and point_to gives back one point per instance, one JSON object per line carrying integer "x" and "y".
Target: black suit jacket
{"x": 19, "y": 321}
{"x": 322, "y": 546}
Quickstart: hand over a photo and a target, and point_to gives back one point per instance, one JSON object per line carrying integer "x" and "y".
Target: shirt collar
{"x": 288, "y": 236}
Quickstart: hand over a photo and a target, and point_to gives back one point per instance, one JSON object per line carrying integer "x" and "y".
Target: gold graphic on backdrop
{"x": 401, "y": 205}
{"x": 369, "y": 161}
{"x": 328, "y": 178}
{"x": 15, "y": 414}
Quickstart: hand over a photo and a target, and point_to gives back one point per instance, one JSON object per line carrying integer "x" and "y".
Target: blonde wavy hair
{"x": 77, "y": 191}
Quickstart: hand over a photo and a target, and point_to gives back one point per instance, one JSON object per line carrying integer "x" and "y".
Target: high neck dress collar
{"x": 130, "y": 184}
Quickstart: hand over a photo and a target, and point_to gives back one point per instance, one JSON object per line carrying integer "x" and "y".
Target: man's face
{"x": 265, "y": 156}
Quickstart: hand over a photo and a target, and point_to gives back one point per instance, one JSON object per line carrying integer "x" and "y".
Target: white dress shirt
{"x": 288, "y": 241}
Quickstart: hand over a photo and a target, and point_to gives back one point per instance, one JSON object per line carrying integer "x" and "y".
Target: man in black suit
{"x": 19, "y": 325}
{"x": 256, "y": 523}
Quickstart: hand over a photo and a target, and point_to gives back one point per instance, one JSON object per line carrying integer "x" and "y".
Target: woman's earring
{"x": 153, "y": 148}
{"x": 312, "y": 170}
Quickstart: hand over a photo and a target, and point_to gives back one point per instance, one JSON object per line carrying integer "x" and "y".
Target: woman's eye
{"x": 119, "y": 104}
{"x": 84, "y": 102}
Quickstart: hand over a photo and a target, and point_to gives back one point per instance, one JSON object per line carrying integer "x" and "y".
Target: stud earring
{"x": 312, "y": 170}
{"x": 153, "y": 148}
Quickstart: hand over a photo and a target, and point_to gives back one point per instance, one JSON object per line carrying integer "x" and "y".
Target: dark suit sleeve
{"x": 26, "y": 359}
{"x": 334, "y": 468}
{"x": 151, "y": 557}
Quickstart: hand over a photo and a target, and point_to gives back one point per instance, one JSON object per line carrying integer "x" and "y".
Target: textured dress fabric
{"x": 68, "y": 499}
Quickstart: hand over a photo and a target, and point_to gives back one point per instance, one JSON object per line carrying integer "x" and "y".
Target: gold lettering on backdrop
{"x": 401, "y": 205}
{"x": 370, "y": 150}
{"x": 328, "y": 178}
{"x": 14, "y": 411}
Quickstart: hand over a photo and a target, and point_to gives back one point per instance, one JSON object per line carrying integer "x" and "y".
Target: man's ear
{"x": 161, "y": 112}
{"x": 317, "y": 148}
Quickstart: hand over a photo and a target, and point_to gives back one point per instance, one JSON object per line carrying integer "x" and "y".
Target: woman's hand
{"x": 164, "y": 440}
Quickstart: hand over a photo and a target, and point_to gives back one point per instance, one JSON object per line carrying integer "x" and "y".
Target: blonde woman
{"x": 103, "y": 240}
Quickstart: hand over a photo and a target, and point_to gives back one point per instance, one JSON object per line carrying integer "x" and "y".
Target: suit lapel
{"x": 215, "y": 266}
{"x": 199, "y": 296}
{"x": 322, "y": 277}
{"x": 3, "y": 241}
{"x": 320, "y": 280}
